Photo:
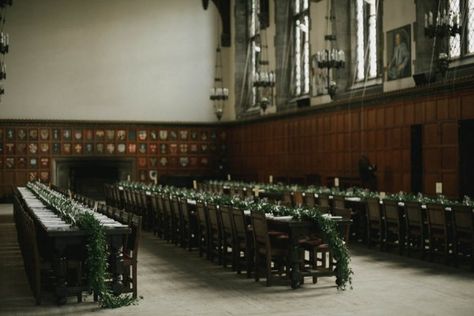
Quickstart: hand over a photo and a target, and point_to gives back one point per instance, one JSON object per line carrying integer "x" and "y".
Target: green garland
{"x": 97, "y": 263}
{"x": 97, "y": 252}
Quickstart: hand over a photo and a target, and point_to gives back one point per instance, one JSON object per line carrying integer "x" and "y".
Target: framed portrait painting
{"x": 399, "y": 53}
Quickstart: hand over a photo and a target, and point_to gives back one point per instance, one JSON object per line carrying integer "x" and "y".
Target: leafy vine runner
{"x": 97, "y": 252}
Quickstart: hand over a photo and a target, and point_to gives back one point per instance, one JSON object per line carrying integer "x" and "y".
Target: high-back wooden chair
{"x": 415, "y": 230}
{"x": 309, "y": 199}
{"x": 463, "y": 229}
{"x": 298, "y": 199}
{"x": 203, "y": 229}
{"x": 345, "y": 213}
{"x": 228, "y": 242}
{"x": 267, "y": 249}
{"x": 188, "y": 225}
{"x": 339, "y": 202}
{"x": 215, "y": 234}
{"x": 323, "y": 202}
{"x": 27, "y": 241}
{"x": 438, "y": 231}
{"x": 392, "y": 225}
{"x": 176, "y": 221}
{"x": 243, "y": 254}
{"x": 130, "y": 256}
{"x": 167, "y": 218}
{"x": 286, "y": 199}
{"x": 374, "y": 222}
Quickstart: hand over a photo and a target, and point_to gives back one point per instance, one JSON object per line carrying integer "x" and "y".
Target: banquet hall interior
{"x": 237, "y": 157}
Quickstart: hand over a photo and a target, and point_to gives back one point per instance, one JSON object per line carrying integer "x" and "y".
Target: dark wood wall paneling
{"x": 328, "y": 143}
{"x": 331, "y": 143}
{"x": 28, "y": 148}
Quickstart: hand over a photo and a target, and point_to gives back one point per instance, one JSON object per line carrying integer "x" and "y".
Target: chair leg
{"x": 135, "y": 280}
{"x": 268, "y": 270}
{"x": 257, "y": 267}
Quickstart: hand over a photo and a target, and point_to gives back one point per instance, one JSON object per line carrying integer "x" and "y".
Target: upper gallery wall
{"x": 141, "y": 60}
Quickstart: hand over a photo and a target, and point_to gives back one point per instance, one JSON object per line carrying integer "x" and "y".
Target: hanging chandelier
{"x": 218, "y": 94}
{"x": 264, "y": 79}
{"x": 330, "y": 58}
{"x": 4, "y": 42}
{"x": 446, "y": 24}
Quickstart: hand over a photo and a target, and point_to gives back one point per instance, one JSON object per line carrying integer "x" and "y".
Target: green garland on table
{"x": 97, "y": 252}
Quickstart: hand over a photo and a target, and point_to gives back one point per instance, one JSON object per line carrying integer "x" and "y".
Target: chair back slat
{"x": 323, "y": 200}
{"x": 373, "y": 209}
{"x": 413, "y": 213}
{"x": 239, "y": 222}
{"x": 391, "y": 210}
{"x": 463, "y": 218}
{"x": 226, "y": 220}
{"x": 436, "y": 215}
{"x": 260, "y": 229}
{"x": 309, "y": 200}
{"x": 339, "y": 202}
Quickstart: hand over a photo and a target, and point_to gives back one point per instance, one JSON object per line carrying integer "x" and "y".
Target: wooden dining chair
{"x": 374, "y": 222}
{"x": 287, "y": 199}
{"x": 323, "y": 203}
{"x": 176, "y": 221}
{"x": 243, "y": 242}
{"x": 203, "y": 229}
{"x": 215, "y": 233}
{"x": 339, "y": 202}
{"x": 392, "y": 225}
{"x": 130, "y": 256}
{"x": 188, "y": 237}
{"x": 27, "y": 241}
{"x": 268, "y": 249}
{"x": 297, "y": 199}
{"x": 227, "y": 236}
{"x": 415, "y": 228}
{"x": 463, "y": 229}
{"x": 309, "y": 199}
{"x": 438, "y": 234}
{"x": 168, "y": 224}
{"x": 344, "y": 213}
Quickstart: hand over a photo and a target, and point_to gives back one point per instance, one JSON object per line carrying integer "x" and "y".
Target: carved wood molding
{"x": 223, "y": 7}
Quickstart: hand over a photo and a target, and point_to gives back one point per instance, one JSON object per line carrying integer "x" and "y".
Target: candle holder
{"x": 443, "y": 63}
{"x": 330, "y": 59}
{"x": 4, "y": 43}
{"x": 3, "y": 71}
{"x": 446, "y": 24}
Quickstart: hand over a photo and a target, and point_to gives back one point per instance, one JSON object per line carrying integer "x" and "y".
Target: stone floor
{"x": 173, "y": 281}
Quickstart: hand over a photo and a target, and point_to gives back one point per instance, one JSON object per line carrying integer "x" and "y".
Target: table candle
{"x": 228, "y": 177}
{"x": 195, "y": 184}
{"x": 270, "y": 179}
{"x": 336, "y": 182}
{"x": 439, "y": 187}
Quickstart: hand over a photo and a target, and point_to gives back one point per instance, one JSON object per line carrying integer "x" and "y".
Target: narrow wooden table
{"x": 58, "y": 240}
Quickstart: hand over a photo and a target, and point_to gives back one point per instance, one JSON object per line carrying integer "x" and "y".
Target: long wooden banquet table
{"x": 296, "y": 230}
{"x": 58, "y": 241}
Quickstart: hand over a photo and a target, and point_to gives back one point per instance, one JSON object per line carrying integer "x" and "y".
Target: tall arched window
{"x": 301, "y": 52}
{"x": 462, "y": 44}
{"x": 366, "y": 27}
{"x": 254, "y": 45}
